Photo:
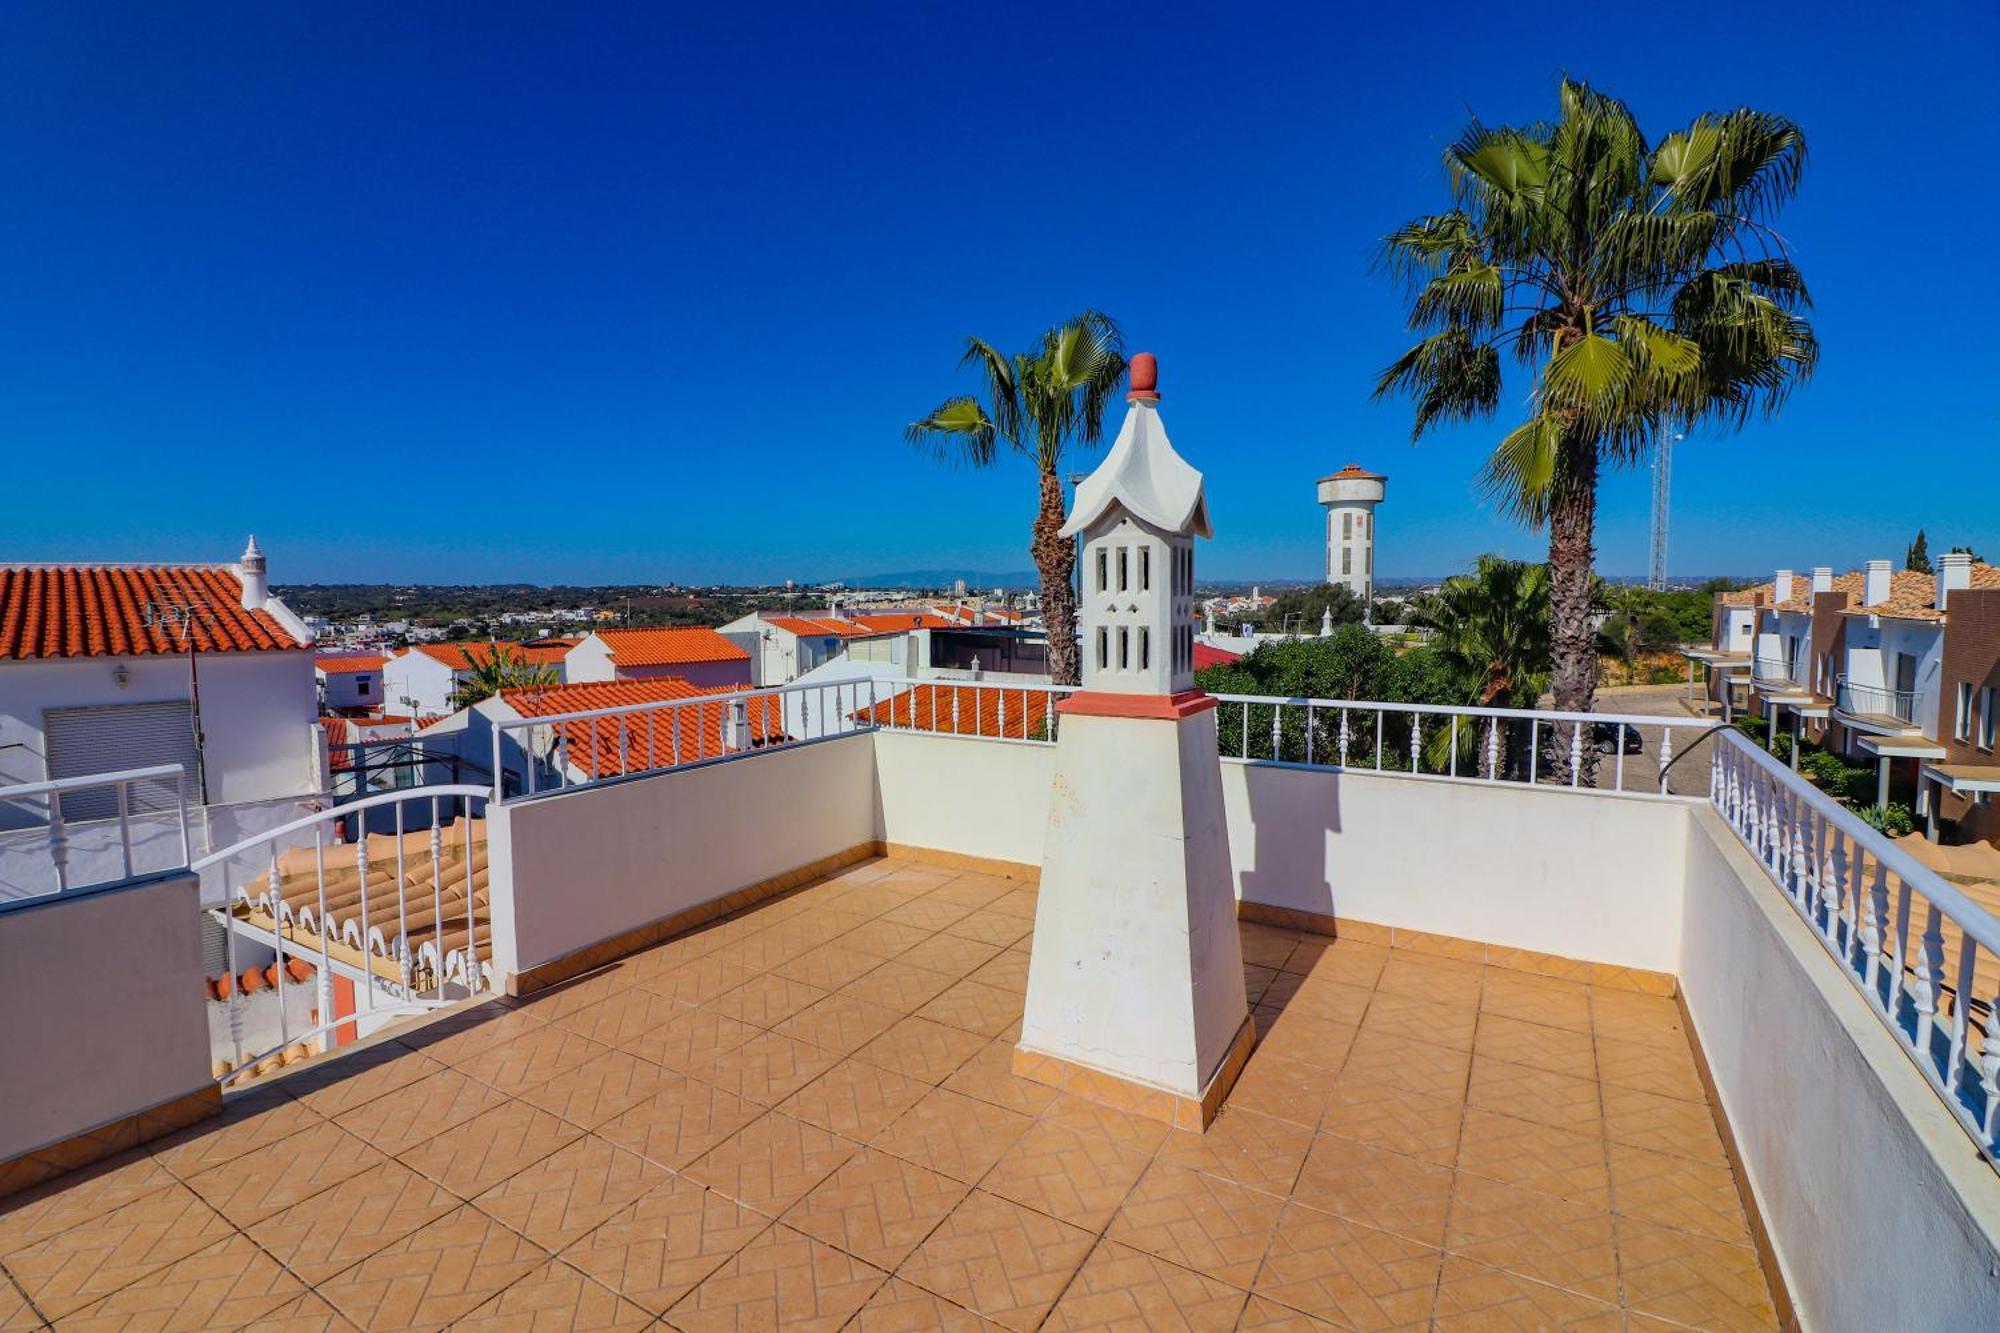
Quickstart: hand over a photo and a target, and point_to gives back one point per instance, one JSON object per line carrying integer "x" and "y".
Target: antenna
{"x": 1663, "y": 480}
{"x": 178, "y": 618}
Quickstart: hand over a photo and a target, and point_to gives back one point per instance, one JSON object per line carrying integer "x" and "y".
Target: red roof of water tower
{"x": 1355, "y": 472}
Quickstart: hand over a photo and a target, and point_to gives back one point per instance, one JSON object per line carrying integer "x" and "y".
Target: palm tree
{"x": 1492, "y": 631}
{"x": 497, "y": 670}
{"x": 1038, "y": 404}
{"x": 1636, "y": 285}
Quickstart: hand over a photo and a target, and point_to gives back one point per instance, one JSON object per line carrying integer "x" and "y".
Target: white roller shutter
{"x": 84, "y": 741}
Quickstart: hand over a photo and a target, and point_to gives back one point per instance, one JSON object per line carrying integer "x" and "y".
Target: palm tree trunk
{"x": 1572, "y": 549}
{"x": 1055, "y": 560}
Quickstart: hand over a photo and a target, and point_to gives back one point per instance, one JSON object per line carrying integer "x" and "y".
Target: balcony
{"x": 1875, "y": 707}
{"x": 1536, "y": 1046}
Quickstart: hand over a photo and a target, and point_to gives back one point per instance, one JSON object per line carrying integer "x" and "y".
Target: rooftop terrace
{"x": 803, "y": 1115}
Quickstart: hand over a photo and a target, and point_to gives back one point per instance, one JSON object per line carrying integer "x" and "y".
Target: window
{"x": 361, "y": 684}
{"x": 1986, "y": 718}
{"x": 1124, "y": 568}
{"x": 1145, "y": 568}
{"x": 1347, "y": 525}
{"x": 1347, "y": 560}
{"x": 1103, "y": 578}
{"x": 1145, "y": 648}
{"x": 1124, "y": 649}
{"x": 1368, "y": 561}
{"x": 1103, "y": 646}
{"x": 1962, "y": 729}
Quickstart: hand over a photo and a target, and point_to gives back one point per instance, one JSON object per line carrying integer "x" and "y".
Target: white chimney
{"x": 1208, "y": 618}
{"x": 1781, "y": 587}
{"x": 1822, "y": 578}
{"x": 251, "y": 573}
{"x": 1875, "y": 583}
{"x": 1326, "y": 622}
{"x": 1954, "y": 571}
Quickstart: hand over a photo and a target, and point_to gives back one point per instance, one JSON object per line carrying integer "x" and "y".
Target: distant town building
{"x": 699, "y": 656}
{"x": 349, "y": 683}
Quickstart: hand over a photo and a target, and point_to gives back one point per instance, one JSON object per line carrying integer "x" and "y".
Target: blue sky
{"x": 476, "y": 293}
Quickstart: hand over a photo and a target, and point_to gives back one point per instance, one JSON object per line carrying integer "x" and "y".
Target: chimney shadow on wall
{"x": 1294, "y": 814}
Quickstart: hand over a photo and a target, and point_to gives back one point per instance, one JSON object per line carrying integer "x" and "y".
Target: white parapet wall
{"x": 104, "y": 1010}
{"x": 1882, "y": 1213}
{"x": 575, "y": 868}
{"x": 1581, "y": 874}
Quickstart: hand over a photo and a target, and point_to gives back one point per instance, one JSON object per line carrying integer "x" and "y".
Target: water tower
{"x": 1350, "y": 496}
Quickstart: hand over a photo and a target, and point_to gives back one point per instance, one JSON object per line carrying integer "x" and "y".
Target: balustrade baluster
{"x": 1416, "y": 742}
{"x": 1927, "y": 993}
{"x": 1876, "y": 921}
{"x": 1576, "y": 754}
{"x": 1493, "y": 749}
{"x": 1955, "y": 1067}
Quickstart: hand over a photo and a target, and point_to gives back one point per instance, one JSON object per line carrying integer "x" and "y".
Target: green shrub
{"x": 1894, "y": 819}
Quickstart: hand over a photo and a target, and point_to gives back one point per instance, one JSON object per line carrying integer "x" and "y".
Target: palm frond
{"x": 957, "y": 430}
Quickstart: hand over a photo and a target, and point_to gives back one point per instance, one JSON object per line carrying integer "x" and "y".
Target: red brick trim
{"x": 1103, "y": 703}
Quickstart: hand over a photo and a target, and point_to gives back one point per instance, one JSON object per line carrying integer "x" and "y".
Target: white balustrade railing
{"x": 99, "y": 813}
{"x": 1924, "y": 955}
{"x": 554, "y": 752}
{"x": 400, "y": 914}
{"x": 1600, "y": 751}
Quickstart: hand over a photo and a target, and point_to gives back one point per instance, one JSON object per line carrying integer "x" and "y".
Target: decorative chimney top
{"x": 1145, "y": 372}
{"x": 252, "y": 573}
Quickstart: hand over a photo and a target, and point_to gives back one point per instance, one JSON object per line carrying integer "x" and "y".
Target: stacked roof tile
{"x": 120, "y": 611}
{"x": 348, "y": 664}
{"x": 656, "y": 738}
{"x": 966, "y": 710}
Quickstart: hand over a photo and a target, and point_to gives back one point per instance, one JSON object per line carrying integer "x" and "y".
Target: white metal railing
{"x": 1772, "y": 671}
{"x": 560, "y": 751}
{"x": 1924, "y": 955}
{"x": 1875, "y": 701}
{"x": 408, "y": 927}
{"x": 156, "y": 792}
{"x": 1521, "y": 745}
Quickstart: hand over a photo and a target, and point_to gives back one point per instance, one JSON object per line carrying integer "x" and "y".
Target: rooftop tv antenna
{"x": 177, "y": 618}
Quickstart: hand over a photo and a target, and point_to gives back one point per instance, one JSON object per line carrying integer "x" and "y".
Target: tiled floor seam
{"x": 26, "y": 1299}
{"x": 1604, "y": 1141}
{"x": 1458, "y": 1147}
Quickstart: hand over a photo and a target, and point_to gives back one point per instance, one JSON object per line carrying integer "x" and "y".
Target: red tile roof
{"x": 101, "y": 611}
{"x": 966, "y": 710}
{"x": 336, "y": 735}
{"x": 648, "y": 737}
{"x": 1205, "y": 656}
{"x": 904, "y": 621}
{"x": 815, "y": 625}
{"x": 544, "y": 650}
{"x": 669, "y": 647}
{"x": 334, "y": 666}
{"x": 1355, "y": 472}
{"x": 465, "y": 656}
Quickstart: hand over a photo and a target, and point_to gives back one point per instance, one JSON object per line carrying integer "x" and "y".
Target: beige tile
{"x": 922, "y": 1049}
{"x": 698, "y": 979}
{"x": 574, "y": 1189}
{"x": 1349, "y": 1274}
{"x": 767, "y": 1000}
{"x": 490, "y": 1147}
{"x": 1306, "y": 1039}
{"x": 876, "y": 1207}
{"x": 904, "y": 1307}
{"x": 828, "y": 967}
{"x": 1472, "y": 1296}
{"x": 422, "y": 1111}
{"x": 1260, "y": 1151}
{"x": 229, "y": 1284}
{"x": 1421, "y": 1020}
{"x": 556, "y": 1296}
{"x": 659, "y": 1249}
{"x": 956, "y": 1135}
{"x": 691, "y": 1040}
{"x": 619, "y": 1018}
{"x": 974, "y": 1007}
{"x": 1121, "y": 1287}
{"x": 244, "y": 1127}
{"x": 600, "y": 1088}
{"x": 1000, "y": 1260}
{"x": 530, "y": 1061}
{"x": 680, "y": 1122}
{"x": 438, "y": 1273}
{"x": 1425, "y": 1067}
{"x": 1263, "y": 1313}
{"x": 1561, "y": 1162}
{"x": 783, "y": 1279}
{"x": 344, "y": 1081}
{"x": 73, "y": 1199}
{"x": 1535, "y": 1235}
{"x": 956, "y": 957}
{"x": 1692, "y": 1279}
{"x": 990, "y": 926}
{"x": 320, "y": 1236}
{"x": 79, "y": 1265}
{"x": 771, "y": 1162}
{"x": 767, "y": 1069}
{"x": 1287, "y": 1089}
{"x": 1527, "y": 1093}
{"x": 898, "y": 985}
{"x": 1385, "y": 1116}
{"x": 854, "y": 1099}
{"x": 1659, "y": 1068}
{"x": 1538, "y": 1045}
{"x": 253, "y": 1187}
{"x": 1541, "y": 1000}
{"x": 1678, "y": 1192}
{"x": 1376, "y": 1188}
{"x": 1662, "y": 1124}
{"x": 1202, "y": 1222}
{"x": 840, "y": 1023}
{"x": 1066, "y": 1167}
{"x": 989, "y": 1076}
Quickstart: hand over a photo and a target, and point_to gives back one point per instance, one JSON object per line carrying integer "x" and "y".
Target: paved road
{"x": 1689, "y": 774}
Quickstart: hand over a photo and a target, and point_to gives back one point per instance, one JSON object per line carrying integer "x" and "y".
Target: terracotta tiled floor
{"x": 804, "y": 1117}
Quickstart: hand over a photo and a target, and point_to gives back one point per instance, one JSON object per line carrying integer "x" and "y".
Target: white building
{"x": 350, "y": 682}
{"x": 1350, "y": 496}
{"x": 419, "y": 681}
{"x": 112, "y": 667}
{"x": 697, "y": 655}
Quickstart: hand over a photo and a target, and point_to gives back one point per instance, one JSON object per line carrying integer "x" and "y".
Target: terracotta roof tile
{"x": 648, "y": 738}
{"x": 341, "y": 665}
{"x": 1854, "y": 581}
{"x": 465, "y": 655}
{"x": 967, "y": 710}
{"x": 669, "y": 647}
{"x": 1355, "y": 472}
{"x": 819, "y": 625}
{"x": 904, "y": 621}
{"x": 100, "y": 611}
{"x": 1913, "y": 596}
{"x": 1205, "y": 656}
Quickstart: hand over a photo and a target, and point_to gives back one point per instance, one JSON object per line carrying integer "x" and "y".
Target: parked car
{"x": 1610, "y": 737}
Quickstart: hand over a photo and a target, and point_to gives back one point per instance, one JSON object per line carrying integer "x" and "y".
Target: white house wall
{"x": 417, "y": 682}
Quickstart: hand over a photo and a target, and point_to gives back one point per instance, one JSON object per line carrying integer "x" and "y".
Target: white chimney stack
{"x": 1781, "y": 587}
{"x": 1326, "y": 622}
{"x": 1875, "y": 583}
{"x": 1822, "y": 578}
{"x": 250, "y": 571}
{"x": 1954, "y": 571}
